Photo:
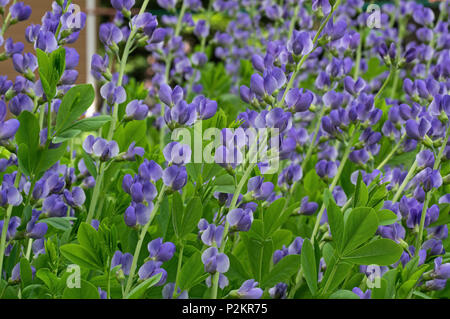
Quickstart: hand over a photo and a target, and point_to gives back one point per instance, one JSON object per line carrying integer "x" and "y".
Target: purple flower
{"x": 259, "y": 189}
{"x": 240, "y": 219}
{"x": 133, "y": 152}
{"x": 249, "y": 290}
{"x": 145, "y": 22}
{"x": 168, "y": 291}
{"x": 121, "y": 5}
{"x": 300, "y": 43}
{"x": 307, "y": 208}
{"x": 279, "y": 291}
{"x": 326, "y": 169}
{"x": 215, "y": 261}
{"x": 24, "y": 64}
{"x": 124, "y": 260}
{"x": 323, "y": 5}
{"x": 201, "y": 29}
{"x": 46, "y": 41}
{"x": 160, "y": 251}
{"x": 138, "y": 213}
{"x": 175, "y": 177}
{"x": 177, "y": 153}
{"x": 441, "y": 271}
{"x": 99, "y": 66}
{"x": 425, "y": 159}
{"x": 362, "y": 295}
{"x": 72, "y": 58}
{"x": 291, "y": 174}
{"x": 152, "y": 268}
{"x": 110, "y": 34}
{"x": 101, "y": 148}
{"x": 182, "y": 114}
{"x": 113, "y": 94}
{"x": 19, "y": 103}
{"x": 76, "y": 197}
{"x": 15, "y": 273}
{"x": 396, "y": 232}
{"x": 12, "y": 48}
{"x": 417, "y": 131}
{"x": 8, "y": 129}
{"x": 20, "y": 11}
{"x": 170, "y": 97}
{"x": 354, "y": 87}
{"x": 54, "y": 206}
{"x": 210, "y": 233}
{"x": 150, "y": 170}
{"x": 167, "y": 4}
{"x": 136, "y": 110}
{"x": 205, "y": 108}
{"x": 299, "y": 101}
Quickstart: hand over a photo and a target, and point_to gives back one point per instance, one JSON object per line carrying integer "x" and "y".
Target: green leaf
{"x": 88, "y": 237}
{"x": 86, "y": 291}
{"x": 48, "y": 157}
{"x": 28, "y": 132}
{"x": 224, "y": 184}
{"x": 49, "y": 278}
{"x": 26, "y": 275}
{"x": 335, "y": 218}
{"x": 142, "y": 288}
{"x": 81, "y": 256}
{"x": 89, "y": 124}
{"x": 282, "y": 271}
{"x": 24, "y": 159}
{"x": 344, "y": 294}
{"x": 361, "y": 193}
{"x": 386, "y": 217}
{"x": 51, "y": 69}
{"x": 74, "y": 103}
{"x": 191, "y": 216}
{"x": 381, "y": 291}
{"x": 309, "y": 265}
{"x": 177, "y": 213}
{"x": 61, "y": 223}
{"x": 381, "y": 252}
{"x": 192, "y": 272}
{"x": 272, "y": 216}
{"x": 66, "y": 135}
{"x": 360, "y": 226}
{"x": 90, "y": 164}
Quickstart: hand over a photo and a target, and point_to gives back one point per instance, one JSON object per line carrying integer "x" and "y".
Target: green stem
{"x": 408, "y": 177}
{"x": 294, "y": 20}
{"x": 305, "y": 57}
{"x": 141, "y": 240}
{"x": 386, "y": 82}
{"x": 392, "y": 153}
{"x": 401, "y": 32}
{"x": 437, "y": 163}
{"x": 123, "y": 64}
{"x": 5, "y": 226}
{"x": 7, "y": 21}
{"x": 332, "y": 186}
{"x": 96, "y": 193}
{"x": 358, "y": 59}
{"x": 433, "y": 40}
{"x": 244, "y": 178}
{"x": 312, "y": 143}
{"x": 115, "y": 119}
{"x": 180, "y": 262}
{"x": 28, "y": 253}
